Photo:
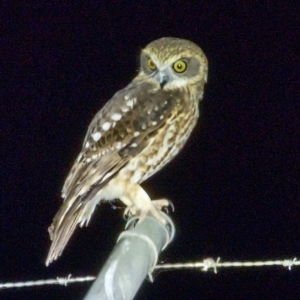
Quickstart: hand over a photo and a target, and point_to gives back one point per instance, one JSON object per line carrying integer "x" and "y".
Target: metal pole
{"x": 134, "y": 256}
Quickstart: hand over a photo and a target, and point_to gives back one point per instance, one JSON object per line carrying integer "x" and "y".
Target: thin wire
{"x": 210, "y": 263}
{"x": 205, "y": 265}
{"x": 59, "y": 280}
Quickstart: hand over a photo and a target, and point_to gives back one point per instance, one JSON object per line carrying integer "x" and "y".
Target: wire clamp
{"x": 210, "y": 263}
{"x": 64, "y": 280}
{"x": 289, "y": 263}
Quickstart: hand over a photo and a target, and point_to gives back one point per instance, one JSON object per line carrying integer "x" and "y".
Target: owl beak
{"x": 163, "y": 80}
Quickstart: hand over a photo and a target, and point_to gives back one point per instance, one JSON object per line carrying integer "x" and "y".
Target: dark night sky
{"x": 235, "y": 185}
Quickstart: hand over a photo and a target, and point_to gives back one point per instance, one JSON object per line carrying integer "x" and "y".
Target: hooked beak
{"x": 163, "y": 80}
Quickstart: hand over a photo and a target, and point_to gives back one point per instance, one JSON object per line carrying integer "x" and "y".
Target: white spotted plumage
{"x": 96, "y": 137}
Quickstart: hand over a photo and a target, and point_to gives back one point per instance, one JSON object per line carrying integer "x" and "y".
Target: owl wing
{"x": 118, "y": 132}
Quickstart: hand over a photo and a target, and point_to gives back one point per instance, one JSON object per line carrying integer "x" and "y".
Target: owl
{"x": 139, "y": 130}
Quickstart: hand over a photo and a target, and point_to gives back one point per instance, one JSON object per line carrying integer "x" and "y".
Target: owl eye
{"x": 179, "y": 66}
{"x": 151, "y": 64}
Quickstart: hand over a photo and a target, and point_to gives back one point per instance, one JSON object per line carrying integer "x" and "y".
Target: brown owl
{"x": 140, "y": 129}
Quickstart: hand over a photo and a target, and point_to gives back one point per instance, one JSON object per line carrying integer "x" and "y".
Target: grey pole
{"x": 133, "y": 258}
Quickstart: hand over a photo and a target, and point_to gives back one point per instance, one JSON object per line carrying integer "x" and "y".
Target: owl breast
{"x": 164, "y": 146}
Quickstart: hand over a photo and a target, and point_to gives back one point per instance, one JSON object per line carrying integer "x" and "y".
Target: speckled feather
{"x": 149, "y": 110}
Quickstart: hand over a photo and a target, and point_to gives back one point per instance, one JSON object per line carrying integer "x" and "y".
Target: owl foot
{"x": 154, "y": 207}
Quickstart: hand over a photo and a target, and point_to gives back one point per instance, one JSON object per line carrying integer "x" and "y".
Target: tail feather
{"x": 62, "y": 229}
{"x": 79, "y": 206}
{"x": 77, "y": 209}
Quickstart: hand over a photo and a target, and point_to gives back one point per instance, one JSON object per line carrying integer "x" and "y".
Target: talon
{"x": 166, "y": 210}
{"x": 164, "y": 206}
{"x": 135, "y": 222}
{"x": 126, "y": 213}
{"x": 129, "y": 211}
{"x": 125, "y": 216}
{"x": 171, "y": 205}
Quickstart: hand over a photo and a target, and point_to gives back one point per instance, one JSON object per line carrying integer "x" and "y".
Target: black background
{"x": 235, "y": 185}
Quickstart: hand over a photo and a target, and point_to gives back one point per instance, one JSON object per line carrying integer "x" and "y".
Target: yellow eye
{"x": 151, "y": 64}
{"x": 179, "y": 66}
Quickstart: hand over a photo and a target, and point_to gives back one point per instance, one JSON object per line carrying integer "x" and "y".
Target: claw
{"x": 126, "y": 213}
{"x": 129, "y": 211}
{"x": 125, "y": 216}
{"x": 171, "y": 205}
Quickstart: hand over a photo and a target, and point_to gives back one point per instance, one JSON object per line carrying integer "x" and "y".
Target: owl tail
{"x": 79, "y": 206}
{"x": 65, "y": 221}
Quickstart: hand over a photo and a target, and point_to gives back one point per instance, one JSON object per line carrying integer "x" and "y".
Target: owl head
{"x": 173, "y": 63}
